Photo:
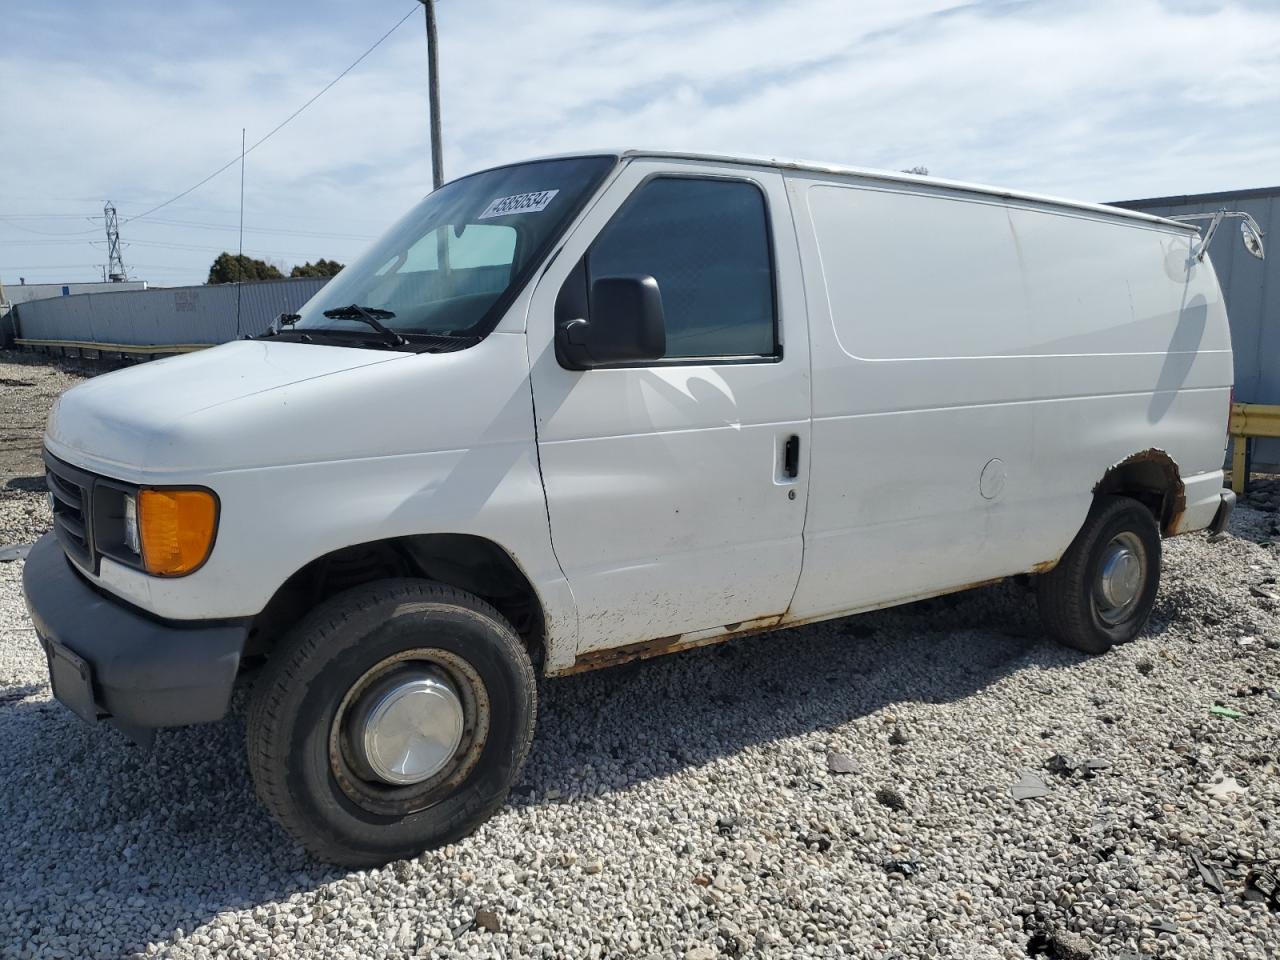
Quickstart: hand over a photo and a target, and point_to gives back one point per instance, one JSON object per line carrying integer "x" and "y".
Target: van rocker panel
{"x": 138, "y": 672}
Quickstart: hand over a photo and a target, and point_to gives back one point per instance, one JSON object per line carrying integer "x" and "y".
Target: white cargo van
{"x": 587, "y": 409}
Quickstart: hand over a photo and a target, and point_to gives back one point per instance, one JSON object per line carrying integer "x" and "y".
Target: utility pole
{"x": 433, "y": 94}
{"x": 240, "y": 249}
{"x": 115, "y": 263}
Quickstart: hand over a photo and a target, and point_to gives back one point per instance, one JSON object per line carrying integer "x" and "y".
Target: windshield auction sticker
{"x": 520, "y": 203}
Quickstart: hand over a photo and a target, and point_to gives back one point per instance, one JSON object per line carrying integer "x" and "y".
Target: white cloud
{"x": 1097, "y": 100}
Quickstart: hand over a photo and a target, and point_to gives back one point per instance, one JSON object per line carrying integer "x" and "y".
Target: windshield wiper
{"x": 373, "y": 317}
{"x": 277, "y": 328}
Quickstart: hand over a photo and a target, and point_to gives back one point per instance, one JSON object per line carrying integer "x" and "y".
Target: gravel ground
{"x": 27, "y": 387}
{"x": 836, "y": 790}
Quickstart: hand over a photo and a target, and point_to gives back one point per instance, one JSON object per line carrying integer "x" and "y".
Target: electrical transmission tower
{"x": 115, "y": 262}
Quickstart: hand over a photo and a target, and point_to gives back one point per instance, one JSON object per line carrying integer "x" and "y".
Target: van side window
{"x": 706, "y": 242}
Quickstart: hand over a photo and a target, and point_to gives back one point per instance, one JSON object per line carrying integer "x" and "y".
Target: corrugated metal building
{"x": 1251, "y": 288}
{"x": 24, "y": 292}
{"x": 169, "y": 316}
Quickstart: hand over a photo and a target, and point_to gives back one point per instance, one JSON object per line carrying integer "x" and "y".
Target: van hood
{"x": 118, "y": 420}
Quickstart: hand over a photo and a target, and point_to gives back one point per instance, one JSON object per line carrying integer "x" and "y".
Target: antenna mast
{"x": 115, "y": 262}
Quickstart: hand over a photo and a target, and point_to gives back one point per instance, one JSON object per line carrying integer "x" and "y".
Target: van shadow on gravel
{"x": 33, "y": 484}
{"x": 172, "y": 838}
{"x": 655, "y": 717}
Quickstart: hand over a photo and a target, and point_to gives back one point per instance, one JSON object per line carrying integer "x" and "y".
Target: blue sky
{"x": 135, "y": 102}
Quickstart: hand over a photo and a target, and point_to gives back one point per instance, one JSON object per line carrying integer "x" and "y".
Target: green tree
{"x": 321, "y": 268}
{"x": 229, "y": 268}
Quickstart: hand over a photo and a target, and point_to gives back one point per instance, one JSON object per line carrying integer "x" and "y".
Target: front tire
{"x": 395, "y": 717}
{"x": 1104, "y": 587}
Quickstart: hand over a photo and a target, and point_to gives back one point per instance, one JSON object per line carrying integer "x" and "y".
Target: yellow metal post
{"x": 1249, "y": 420}
{"x": 1239, "y": 463}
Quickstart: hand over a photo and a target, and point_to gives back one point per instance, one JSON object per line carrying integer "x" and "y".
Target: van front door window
{"x": 706, "y": 242}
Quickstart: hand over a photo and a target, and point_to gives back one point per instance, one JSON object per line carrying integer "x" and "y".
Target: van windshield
{"x": 453, "y": 263}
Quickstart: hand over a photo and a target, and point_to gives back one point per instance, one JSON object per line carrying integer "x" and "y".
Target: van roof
{"x": 887, "y": 175}
{"x": 895, "y": 176}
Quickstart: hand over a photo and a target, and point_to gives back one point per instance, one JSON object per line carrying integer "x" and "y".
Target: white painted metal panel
{"x": 951, "y": 329}
{"x": 669, "y": 513}
{"x": 314, "y": 448}
{"x": 1250, "y": 290}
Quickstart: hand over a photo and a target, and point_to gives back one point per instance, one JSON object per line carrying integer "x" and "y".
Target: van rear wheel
{"x": 1104, "y": 587}
{"x": 394, "y": 717}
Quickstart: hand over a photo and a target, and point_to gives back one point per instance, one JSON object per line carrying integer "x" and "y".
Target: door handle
{"x": 791, "y": 457}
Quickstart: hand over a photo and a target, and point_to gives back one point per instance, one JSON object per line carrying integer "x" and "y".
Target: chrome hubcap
{"x": 1121, "y": 576}
{"x": 407, "y": 728}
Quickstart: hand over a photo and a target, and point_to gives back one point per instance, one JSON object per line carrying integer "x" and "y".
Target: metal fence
{"x": 8, "y": 328}
{"x": 180, "y": 316}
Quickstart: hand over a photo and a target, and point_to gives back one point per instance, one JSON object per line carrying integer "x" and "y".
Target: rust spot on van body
{"x": 976, "y": 584}
{"x": 646, "y": 649}
{"x": 1150, "y": 474}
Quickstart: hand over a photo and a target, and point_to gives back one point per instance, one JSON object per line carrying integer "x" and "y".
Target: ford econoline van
{"x": 587, "y": 409}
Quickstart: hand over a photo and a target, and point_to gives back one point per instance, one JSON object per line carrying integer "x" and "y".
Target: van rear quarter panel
{"x": 950, "y": 330}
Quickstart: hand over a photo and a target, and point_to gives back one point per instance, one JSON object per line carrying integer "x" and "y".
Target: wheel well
{"x": 1150, "y": 477}
{"x": 467, "y": 562}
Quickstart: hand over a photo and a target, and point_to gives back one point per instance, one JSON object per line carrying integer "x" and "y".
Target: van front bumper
{"x": 109, "y": 661}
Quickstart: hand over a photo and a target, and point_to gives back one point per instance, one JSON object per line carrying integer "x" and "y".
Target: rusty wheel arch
{"x": 471, "y": 563}
{"x": 1151, "y": 477}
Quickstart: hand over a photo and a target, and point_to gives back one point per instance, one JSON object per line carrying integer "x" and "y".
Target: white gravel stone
{"x": 684, "y": 807}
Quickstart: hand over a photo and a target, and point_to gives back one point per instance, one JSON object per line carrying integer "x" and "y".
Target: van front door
{"x": 676, "y": 488}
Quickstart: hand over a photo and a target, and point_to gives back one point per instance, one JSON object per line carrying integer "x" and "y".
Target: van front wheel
{"x": 394, "y": 717}
{"x": 1102, "y": 590}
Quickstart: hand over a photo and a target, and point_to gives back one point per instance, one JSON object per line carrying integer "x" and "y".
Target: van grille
{"x": 72, "y": 510}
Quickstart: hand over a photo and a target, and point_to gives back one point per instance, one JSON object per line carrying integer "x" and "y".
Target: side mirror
{"x": 1250, "y": 232}
{"x": 626, "y": 326}
{"x": 1252, "y": 238}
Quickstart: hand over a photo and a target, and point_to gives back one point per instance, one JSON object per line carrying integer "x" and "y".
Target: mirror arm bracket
{"x": 1249, "y": 226}
{"x": 572, "y": 344}
{"x": 1203, "y": 248}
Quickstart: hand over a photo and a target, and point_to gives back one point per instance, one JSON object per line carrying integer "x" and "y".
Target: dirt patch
{"x": 28, "y": 387}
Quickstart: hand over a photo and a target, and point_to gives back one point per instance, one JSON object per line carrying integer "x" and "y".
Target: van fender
{"x": 1152, "y": 477}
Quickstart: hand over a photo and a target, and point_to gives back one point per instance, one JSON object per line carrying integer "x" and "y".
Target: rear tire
{"x": 326, "y": 770}
{"x": 1104, "y": 587}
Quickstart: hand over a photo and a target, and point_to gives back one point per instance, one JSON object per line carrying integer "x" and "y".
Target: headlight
{"x": 131, "y": 523}
{"x": 175, "y": 529}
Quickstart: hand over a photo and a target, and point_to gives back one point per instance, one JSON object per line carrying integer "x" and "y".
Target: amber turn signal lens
{"x": 177, "y": 528}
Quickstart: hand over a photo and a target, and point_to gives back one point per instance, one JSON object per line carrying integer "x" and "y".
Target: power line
{"x": 202, "y": 225}
{"x": 36, "y": 243}
{"x": 215, "y": 228}
{"x": 54, "y": 266}
{"x": 30, "y": 271}
{"x": 7, "y": 218}
{"x": 197, "y": 211}
{"x": 54, "y": 233}
{"x": 46, "y": 216}
{"x": 216, "y": 249}
{"x": 232, "y": 162}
